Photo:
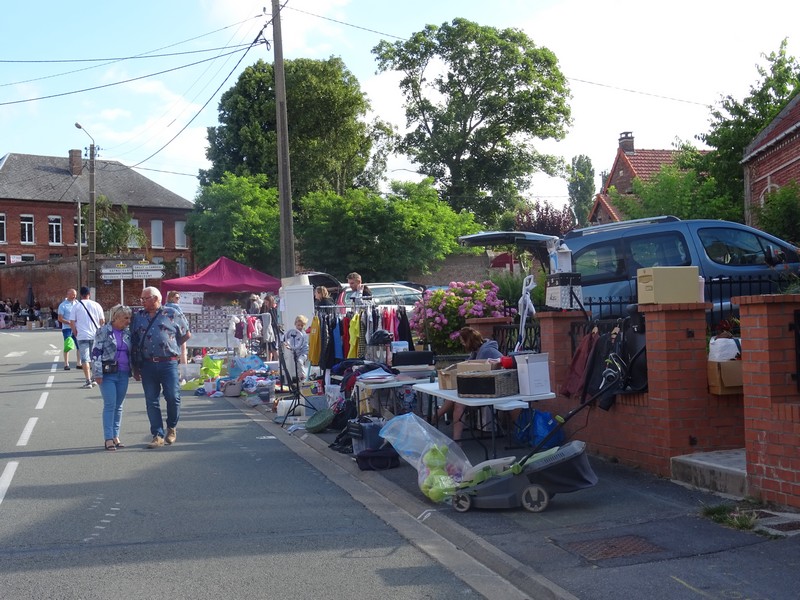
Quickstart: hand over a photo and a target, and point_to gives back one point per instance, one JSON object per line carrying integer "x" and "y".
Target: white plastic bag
{"x": 439, "y": 461}
{"x": 720, "y": 349}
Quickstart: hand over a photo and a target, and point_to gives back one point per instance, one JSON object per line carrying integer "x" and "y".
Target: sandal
{"x": 110, "y": 445}
{"x": 118, "y": 443}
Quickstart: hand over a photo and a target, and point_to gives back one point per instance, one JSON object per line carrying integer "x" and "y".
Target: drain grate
{"x": 788, "y": 526}
{"x": 617, "y": 547}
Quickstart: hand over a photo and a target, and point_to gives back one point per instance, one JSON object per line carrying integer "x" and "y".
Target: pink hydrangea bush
{"x": 440, "y": 314}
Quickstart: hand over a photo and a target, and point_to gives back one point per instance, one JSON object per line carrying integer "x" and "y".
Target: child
{"x": 297, "y": 342}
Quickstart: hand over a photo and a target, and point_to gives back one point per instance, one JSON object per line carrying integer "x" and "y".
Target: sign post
{"x": 123, "y": 271}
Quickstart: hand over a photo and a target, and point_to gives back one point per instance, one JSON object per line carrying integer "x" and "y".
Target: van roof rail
{"x": 619, "y": 225}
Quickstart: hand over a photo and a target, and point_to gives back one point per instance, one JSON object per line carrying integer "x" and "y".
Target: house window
{"x": 3, "y": 239}
{"x": 181, "y": 264}
{"x": 3, "y": 259}
{"x": 28, "y": 257}
{"x": 180, "y": 235}
{"x": 54, "y": 230}
{"x": 133, "y": 242}
{"x": 157, "y": 233}
{"x": 55, "y": 255}
{"x": 26, "y": 229}
{"x": 84, "y": 239}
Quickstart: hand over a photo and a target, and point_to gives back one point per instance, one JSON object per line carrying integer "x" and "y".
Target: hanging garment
{"x": 404, "y": 329}
{"x": 364, "y": 332}
{"x": 576, "y": 374}
{"x": 338, "y": 339}
{"x": 345, "y": 332}
{"x": 354, "y": 333}
{"x": 314, "y": 341}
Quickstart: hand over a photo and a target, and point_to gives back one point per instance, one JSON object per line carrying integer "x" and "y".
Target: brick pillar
{"x": 772, "y": 400}
{"x": 676, "y": 410}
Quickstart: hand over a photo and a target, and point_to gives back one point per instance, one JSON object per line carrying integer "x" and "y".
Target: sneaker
{"x": 172, "y": 434}
{"x": 94, "y": 383}
{"x": 157, "y": 442}
{"x": 66, "y": 367}
{"x": 87, "y": 385}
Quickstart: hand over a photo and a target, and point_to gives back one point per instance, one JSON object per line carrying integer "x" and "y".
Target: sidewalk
{"x": 633, "y": 535}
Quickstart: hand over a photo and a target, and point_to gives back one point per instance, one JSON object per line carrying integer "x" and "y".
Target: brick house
{"x": 772, "y": 159}
{"x": 629, "y": 164}
{"x": 39, "y": 200}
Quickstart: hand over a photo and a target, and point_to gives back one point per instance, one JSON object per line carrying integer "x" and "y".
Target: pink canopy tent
{"x": 224, "y": 275}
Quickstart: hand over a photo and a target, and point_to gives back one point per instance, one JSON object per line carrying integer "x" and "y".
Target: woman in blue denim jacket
{"x": 111, "y": 368}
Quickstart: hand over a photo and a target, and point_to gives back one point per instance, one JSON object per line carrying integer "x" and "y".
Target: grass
{"x": 736, "y": 516}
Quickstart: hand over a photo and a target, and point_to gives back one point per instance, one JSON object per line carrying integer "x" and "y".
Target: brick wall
{"x": 772, "y": 410}
{"x": 456, "y": 267}
{"x": 676, "y": 416}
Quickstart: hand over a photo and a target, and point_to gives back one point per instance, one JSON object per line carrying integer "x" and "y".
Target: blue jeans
{"x": 158, "y": 377}
{"x": 113, "y": 390}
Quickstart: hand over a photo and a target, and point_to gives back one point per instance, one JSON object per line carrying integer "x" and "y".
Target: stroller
{"x": 533, "y": 480}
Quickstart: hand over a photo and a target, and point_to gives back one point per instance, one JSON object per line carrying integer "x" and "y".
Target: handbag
{"x": 378, "y": 460}
{"x": 110, "y": 366}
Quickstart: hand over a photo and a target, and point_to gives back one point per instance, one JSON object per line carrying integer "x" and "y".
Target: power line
{"x": 345, "y": 24}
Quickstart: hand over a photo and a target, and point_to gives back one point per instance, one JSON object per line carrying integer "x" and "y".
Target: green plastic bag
{"x": 211, "y": 367}
{"x": 69, "y": 344}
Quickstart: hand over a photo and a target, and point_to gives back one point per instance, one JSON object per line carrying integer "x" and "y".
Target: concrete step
{"x": 722, "y": 471}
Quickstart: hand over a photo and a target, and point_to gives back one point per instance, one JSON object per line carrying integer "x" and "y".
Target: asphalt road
{"x": 229, "y": 511}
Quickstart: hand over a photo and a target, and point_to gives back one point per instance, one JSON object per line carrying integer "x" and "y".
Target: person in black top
{"x": 322, "y": 297}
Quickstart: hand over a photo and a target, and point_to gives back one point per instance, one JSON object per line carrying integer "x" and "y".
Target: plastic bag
{"x": 69, "y": 344}
{"x": 720, "y": 348}
{"x": 211, "y": 367}
{"x": 439, "y": 461}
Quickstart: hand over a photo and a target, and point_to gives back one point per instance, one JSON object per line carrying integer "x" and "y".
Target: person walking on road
{"x": 157, "y": 334}
{"x": 173, "y": 298}
{"x": 64, "y": 317}
{"x": 87, "y": 318}
{"x": 111, "y": 367}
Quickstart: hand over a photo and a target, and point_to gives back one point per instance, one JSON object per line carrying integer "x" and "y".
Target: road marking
{"x": 42, "y": 400}
{"x": 26, "y": 433}
{"x": 16, "y": 354}
{"x": 50, "y": 381}
{"x": 6, "y": 477}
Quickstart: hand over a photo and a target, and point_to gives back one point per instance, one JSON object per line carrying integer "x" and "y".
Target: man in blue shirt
{"x": 64, "y": 317}
{"x": 157, "y": 334}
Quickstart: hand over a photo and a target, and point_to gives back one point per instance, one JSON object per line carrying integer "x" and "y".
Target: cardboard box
{"x": 534, "y": 373}
{"x": 447, "y": 378}
{"x": 667, "y": 285}
{"x": 471, "y": 366}
{"x": 725, "y": 377}
{"x": 488, "y": 384}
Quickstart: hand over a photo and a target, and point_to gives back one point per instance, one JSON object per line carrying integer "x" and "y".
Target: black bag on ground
{"x": 378, "y": 460}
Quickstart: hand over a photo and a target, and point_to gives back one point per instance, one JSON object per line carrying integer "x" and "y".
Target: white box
{"x": 534, "y": 374}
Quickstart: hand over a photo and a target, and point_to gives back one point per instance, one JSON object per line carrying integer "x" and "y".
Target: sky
{"x": 144, "y": 80}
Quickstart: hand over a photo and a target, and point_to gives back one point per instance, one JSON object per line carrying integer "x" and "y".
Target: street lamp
{"x": 92, "y": 216}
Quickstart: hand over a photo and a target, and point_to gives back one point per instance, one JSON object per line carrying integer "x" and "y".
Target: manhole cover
{"x": 617, "y": 547}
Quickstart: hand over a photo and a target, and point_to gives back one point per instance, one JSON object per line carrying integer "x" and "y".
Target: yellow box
{"x": 725, "y": 377}
{"x": 667, "y": 285}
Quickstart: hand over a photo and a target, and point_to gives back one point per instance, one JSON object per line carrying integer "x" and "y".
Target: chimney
{"x": 75, "y": 163}
{"x": 626, "y": 142}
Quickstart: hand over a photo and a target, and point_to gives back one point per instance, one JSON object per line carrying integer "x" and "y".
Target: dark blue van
{"x": 730, "y": 256}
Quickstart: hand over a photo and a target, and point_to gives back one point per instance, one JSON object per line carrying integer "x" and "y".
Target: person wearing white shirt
{"x": 87, "y": 318}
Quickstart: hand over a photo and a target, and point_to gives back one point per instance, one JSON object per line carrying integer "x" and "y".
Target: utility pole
{"x": 92, "y": 215}
{"x": 284, "y": 173}
{"x": 80, "y": 245}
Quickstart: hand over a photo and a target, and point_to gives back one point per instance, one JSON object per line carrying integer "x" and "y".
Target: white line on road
{"x": 16, "y": 354}
{"x": 50, "y": 381}
{"x": 6, "y": 477}
{"x": 26, "y": 433}
{"x": 42, "y": 400}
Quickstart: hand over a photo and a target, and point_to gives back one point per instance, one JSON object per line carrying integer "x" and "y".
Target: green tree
{"x": 780, "y": 214}
{"x": 238, "y": 218}
{"x": 381, "y": 238}
{"x": 675, "y": 191}
{"x": 476, "y": 98}
{"x": 734, "y": 124}
{"x": 329, "y": 141}
{"x": 115, "y": 234}
{"x": 581, "y": 188}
